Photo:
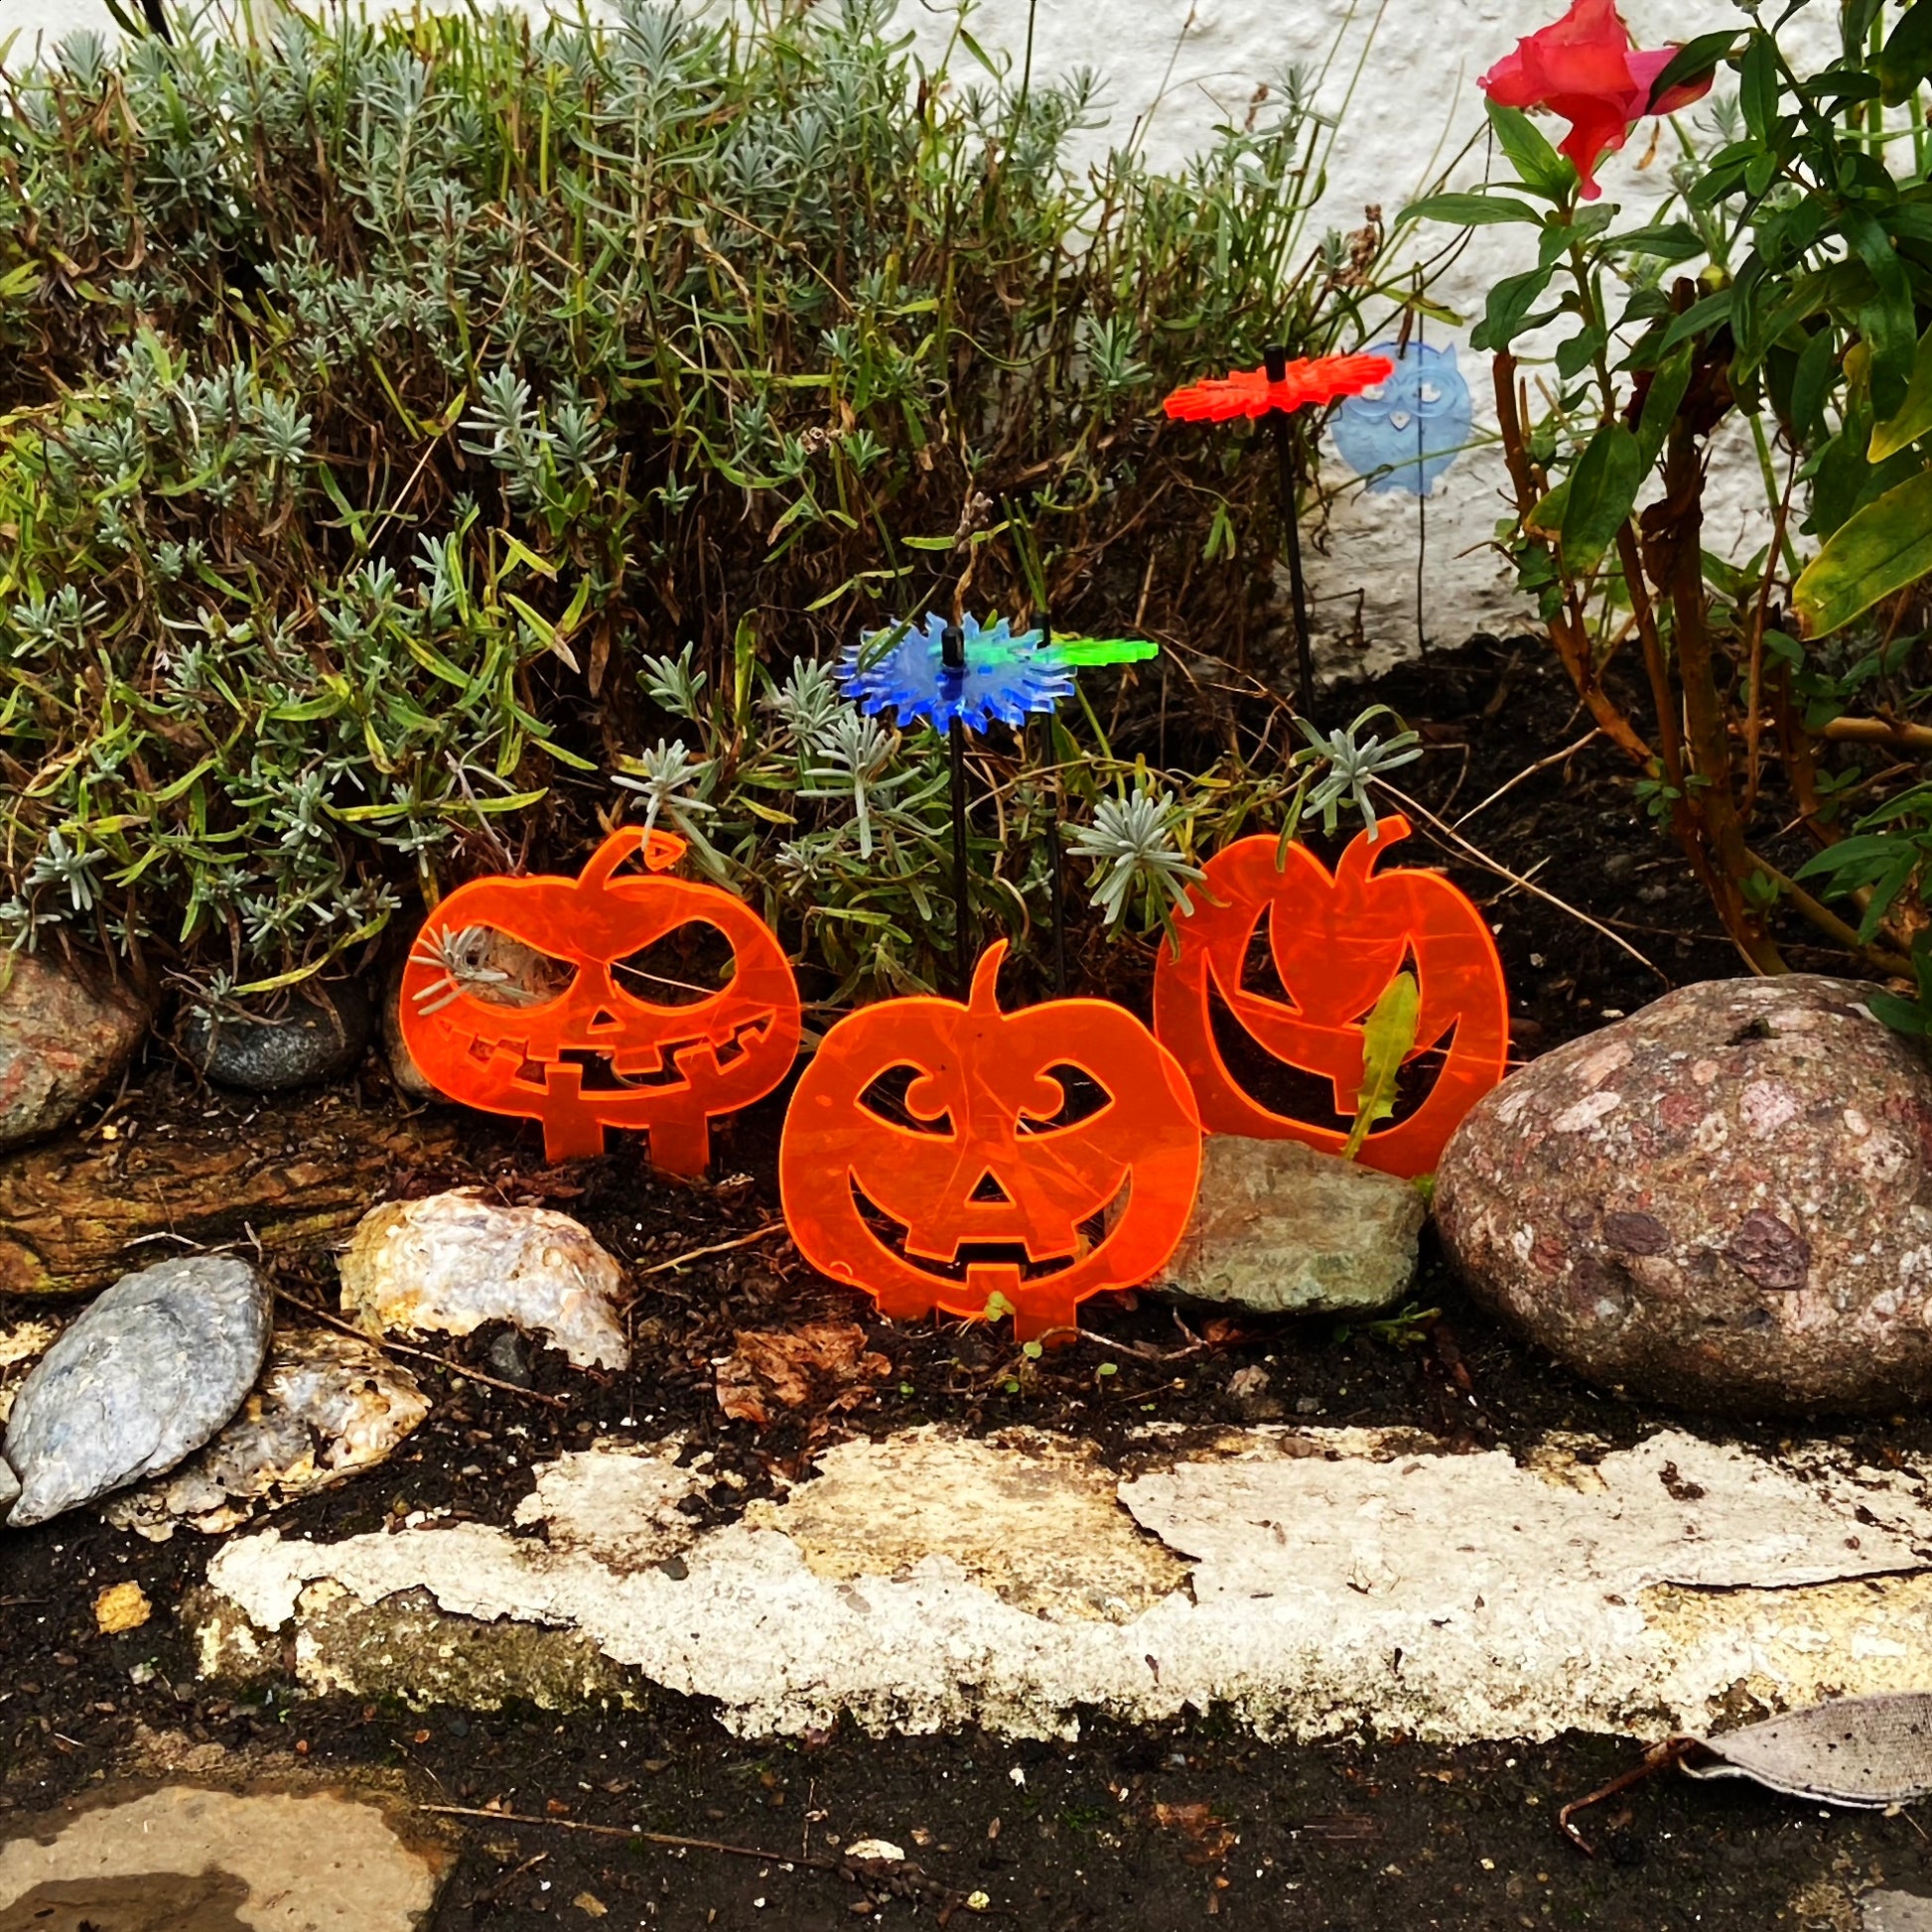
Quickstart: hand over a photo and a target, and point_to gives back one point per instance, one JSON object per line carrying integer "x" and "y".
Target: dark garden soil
{"x": 1128, "y": 1827}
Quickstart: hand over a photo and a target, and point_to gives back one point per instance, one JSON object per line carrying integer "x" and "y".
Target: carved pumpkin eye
{"x": 885, "y": 1097}
{"x": 1081, "y": 1098}
{"x": 485, "y": 963}
{"x": 691, "y": 963}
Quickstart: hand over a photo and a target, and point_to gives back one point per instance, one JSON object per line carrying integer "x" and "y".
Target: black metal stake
{"x": 952, "y": 650}
{"x": 1056, "y": 857}
{"x": 1275, "y": 358}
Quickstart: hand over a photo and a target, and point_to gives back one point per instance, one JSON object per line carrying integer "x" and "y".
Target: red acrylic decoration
{"x": 1248, "y": 392}
{"x": 987, "y": 1150}
{"x": 596, "y": 1055}
{"x": 1337, "y": 940}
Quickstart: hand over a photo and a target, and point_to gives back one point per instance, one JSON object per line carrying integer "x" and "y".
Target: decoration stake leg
{"x": 1056, "y": 854}
{"x": 952, "y": 647}
{"x": 1275, "y": 360}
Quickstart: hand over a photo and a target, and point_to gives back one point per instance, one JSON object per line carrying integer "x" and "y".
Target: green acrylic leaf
{"x": 1106, "y": 650}
{"x": 1884, "y": 547}
{"x": 1387, "y": 1040}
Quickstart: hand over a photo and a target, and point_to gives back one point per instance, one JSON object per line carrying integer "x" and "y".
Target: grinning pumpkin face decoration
{"x": 937, "y": 1155}
{"x": 594, "y": 1054}
{"x": 1336, "y": 941}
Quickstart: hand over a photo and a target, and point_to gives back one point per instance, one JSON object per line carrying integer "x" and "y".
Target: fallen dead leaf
{"x": 122, "y": 1607}
{"x": 588, "y": 1901}
{"x": 1209, "y": 1839}
{"x": 822, "y": 1362}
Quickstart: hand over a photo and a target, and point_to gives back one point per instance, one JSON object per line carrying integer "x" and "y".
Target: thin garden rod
{"x": 1056, "y": 856}
{"x": 952, "y": 647}
{"x": 1275, "y": 358}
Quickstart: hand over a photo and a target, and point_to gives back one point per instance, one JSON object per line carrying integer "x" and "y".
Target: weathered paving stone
{"x": 1283, "y": 1229}
{"x": 141, "y": 1379}
{"x": 180, "y": 1857}
{"x": 449, "y": 1263}
{"x": 63, "y": 1035}
{"x": 1724, "y": 1202}
{"x": 322, "y": 1034}
{"x": 1894, "y": 1911}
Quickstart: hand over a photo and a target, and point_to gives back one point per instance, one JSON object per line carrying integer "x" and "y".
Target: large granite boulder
{"x": 64, "y": 1034}
{"x": 1724, "y": 1202}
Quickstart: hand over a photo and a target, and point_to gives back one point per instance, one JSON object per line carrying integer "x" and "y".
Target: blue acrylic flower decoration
{"x": 1403, "y": 433}
{"x": 903, "y": 669}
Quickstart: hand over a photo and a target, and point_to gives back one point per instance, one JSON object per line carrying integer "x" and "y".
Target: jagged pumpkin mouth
{"x": 1090, "y": 1233}
{"x": 623, "y": 1069}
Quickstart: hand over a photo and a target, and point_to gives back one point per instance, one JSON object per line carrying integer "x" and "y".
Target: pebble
{"x": 1724, "y": 1202}
{"x": 139, "y": 1380}
{"x": 64, "y": 1034}
{"x": 322, "y": 1034}
{"x": 449, "y": 1263}
{"x": 329, "y": 1407}
{"x": 1284, "y": 1229}
{"x": 121, "y": 1607}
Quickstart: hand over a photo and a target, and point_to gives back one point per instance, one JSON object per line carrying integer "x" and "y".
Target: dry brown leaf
{"x": 788, "y": 1368}
{"x": 1208, "y": 1836}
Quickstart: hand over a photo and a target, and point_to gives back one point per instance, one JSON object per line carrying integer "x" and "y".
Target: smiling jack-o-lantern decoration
{"x": 1336, "y": 940}
{"x": 938, "y": 1154}
{"x": 596, "y": 1054}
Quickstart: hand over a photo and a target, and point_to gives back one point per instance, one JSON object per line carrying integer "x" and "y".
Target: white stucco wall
{"x": 1174, "y": 69}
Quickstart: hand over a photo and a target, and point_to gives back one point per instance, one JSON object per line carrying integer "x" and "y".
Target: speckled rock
{"x": 153, "y": 1367}
{"x": 63, "y": 1034}
{"x": 1282, "y": 1228}
{"x": 1724, "y": 1202}
{"x": 323, "y": 1033}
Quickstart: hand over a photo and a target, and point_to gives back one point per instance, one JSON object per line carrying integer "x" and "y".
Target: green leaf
{"x": 1812, "y": 382}
{"x": 1603, "y": 487}
{"x": 1693, "y": 60}
{"x": 1887, "y": 322}
{"x": 1708, "y": 313}
{"x": 1388, "y": 1036}
{"x": 1661, "y": 402}
{"x": 1508, "y": 311}
{"x": 1539, "y": 167}
{"x": 1907, "y": 55}
{"x": 1106, "y": 650}
{"x": 1758, "y": 88}
{"x": 1914, "y": 417}
{"x": 1468, "y": 211}
{"x": 1673, "y": 241}
{"x": 1881, "y": 549}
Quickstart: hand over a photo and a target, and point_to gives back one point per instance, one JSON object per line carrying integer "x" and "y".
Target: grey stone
{"x": 1284, "y": 1229}
{"x": 1894, "y": 1911}
{"x": 141, "y": 1379}
{"x": 64, "y": 1034}
{"x": 322, "y": 1034}
{"x": 1722, "y": 1201}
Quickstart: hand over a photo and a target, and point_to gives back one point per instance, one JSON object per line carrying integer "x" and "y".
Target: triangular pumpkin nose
{"x": 986, "y": 1187}
{"x": 603, "y": 1018}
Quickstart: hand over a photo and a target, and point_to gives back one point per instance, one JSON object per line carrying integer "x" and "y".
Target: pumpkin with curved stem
{"x": 937, "y": 1154}
{"x": 594, "y": 1054}
{"x": 1336, "y": 941}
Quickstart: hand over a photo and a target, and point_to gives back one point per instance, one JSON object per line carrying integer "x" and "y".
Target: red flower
{"x": 1250, "y": 393}
{"x": 1585, "y": 69}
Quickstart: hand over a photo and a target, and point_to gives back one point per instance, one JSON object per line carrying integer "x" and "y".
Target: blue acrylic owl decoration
{"x": 1406, "y": 431}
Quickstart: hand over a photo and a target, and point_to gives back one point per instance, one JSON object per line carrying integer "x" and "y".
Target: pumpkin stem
{"x": 1364, "y": 849}
{"x": 984, "y": 998}
{"x": 661, "y": 851}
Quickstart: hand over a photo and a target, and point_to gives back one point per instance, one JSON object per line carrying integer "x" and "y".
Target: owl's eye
{"x": 1375, "y": 392}
{"x": 1429, "y": 392}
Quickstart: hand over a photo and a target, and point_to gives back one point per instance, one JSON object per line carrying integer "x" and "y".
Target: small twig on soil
{"x": 1528, "y": 771}
{"x": 860, "y": 1872}
{"x": 422, "y": 1354}
{"x": 717, "y": 1248}
{"x": 1482, "y": 858}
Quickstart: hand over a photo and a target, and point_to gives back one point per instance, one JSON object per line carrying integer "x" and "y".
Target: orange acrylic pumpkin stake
{"x": 1336, "y": 941}
{"x": 937, "y": 1154}
{"x": 596, "y": 1055}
